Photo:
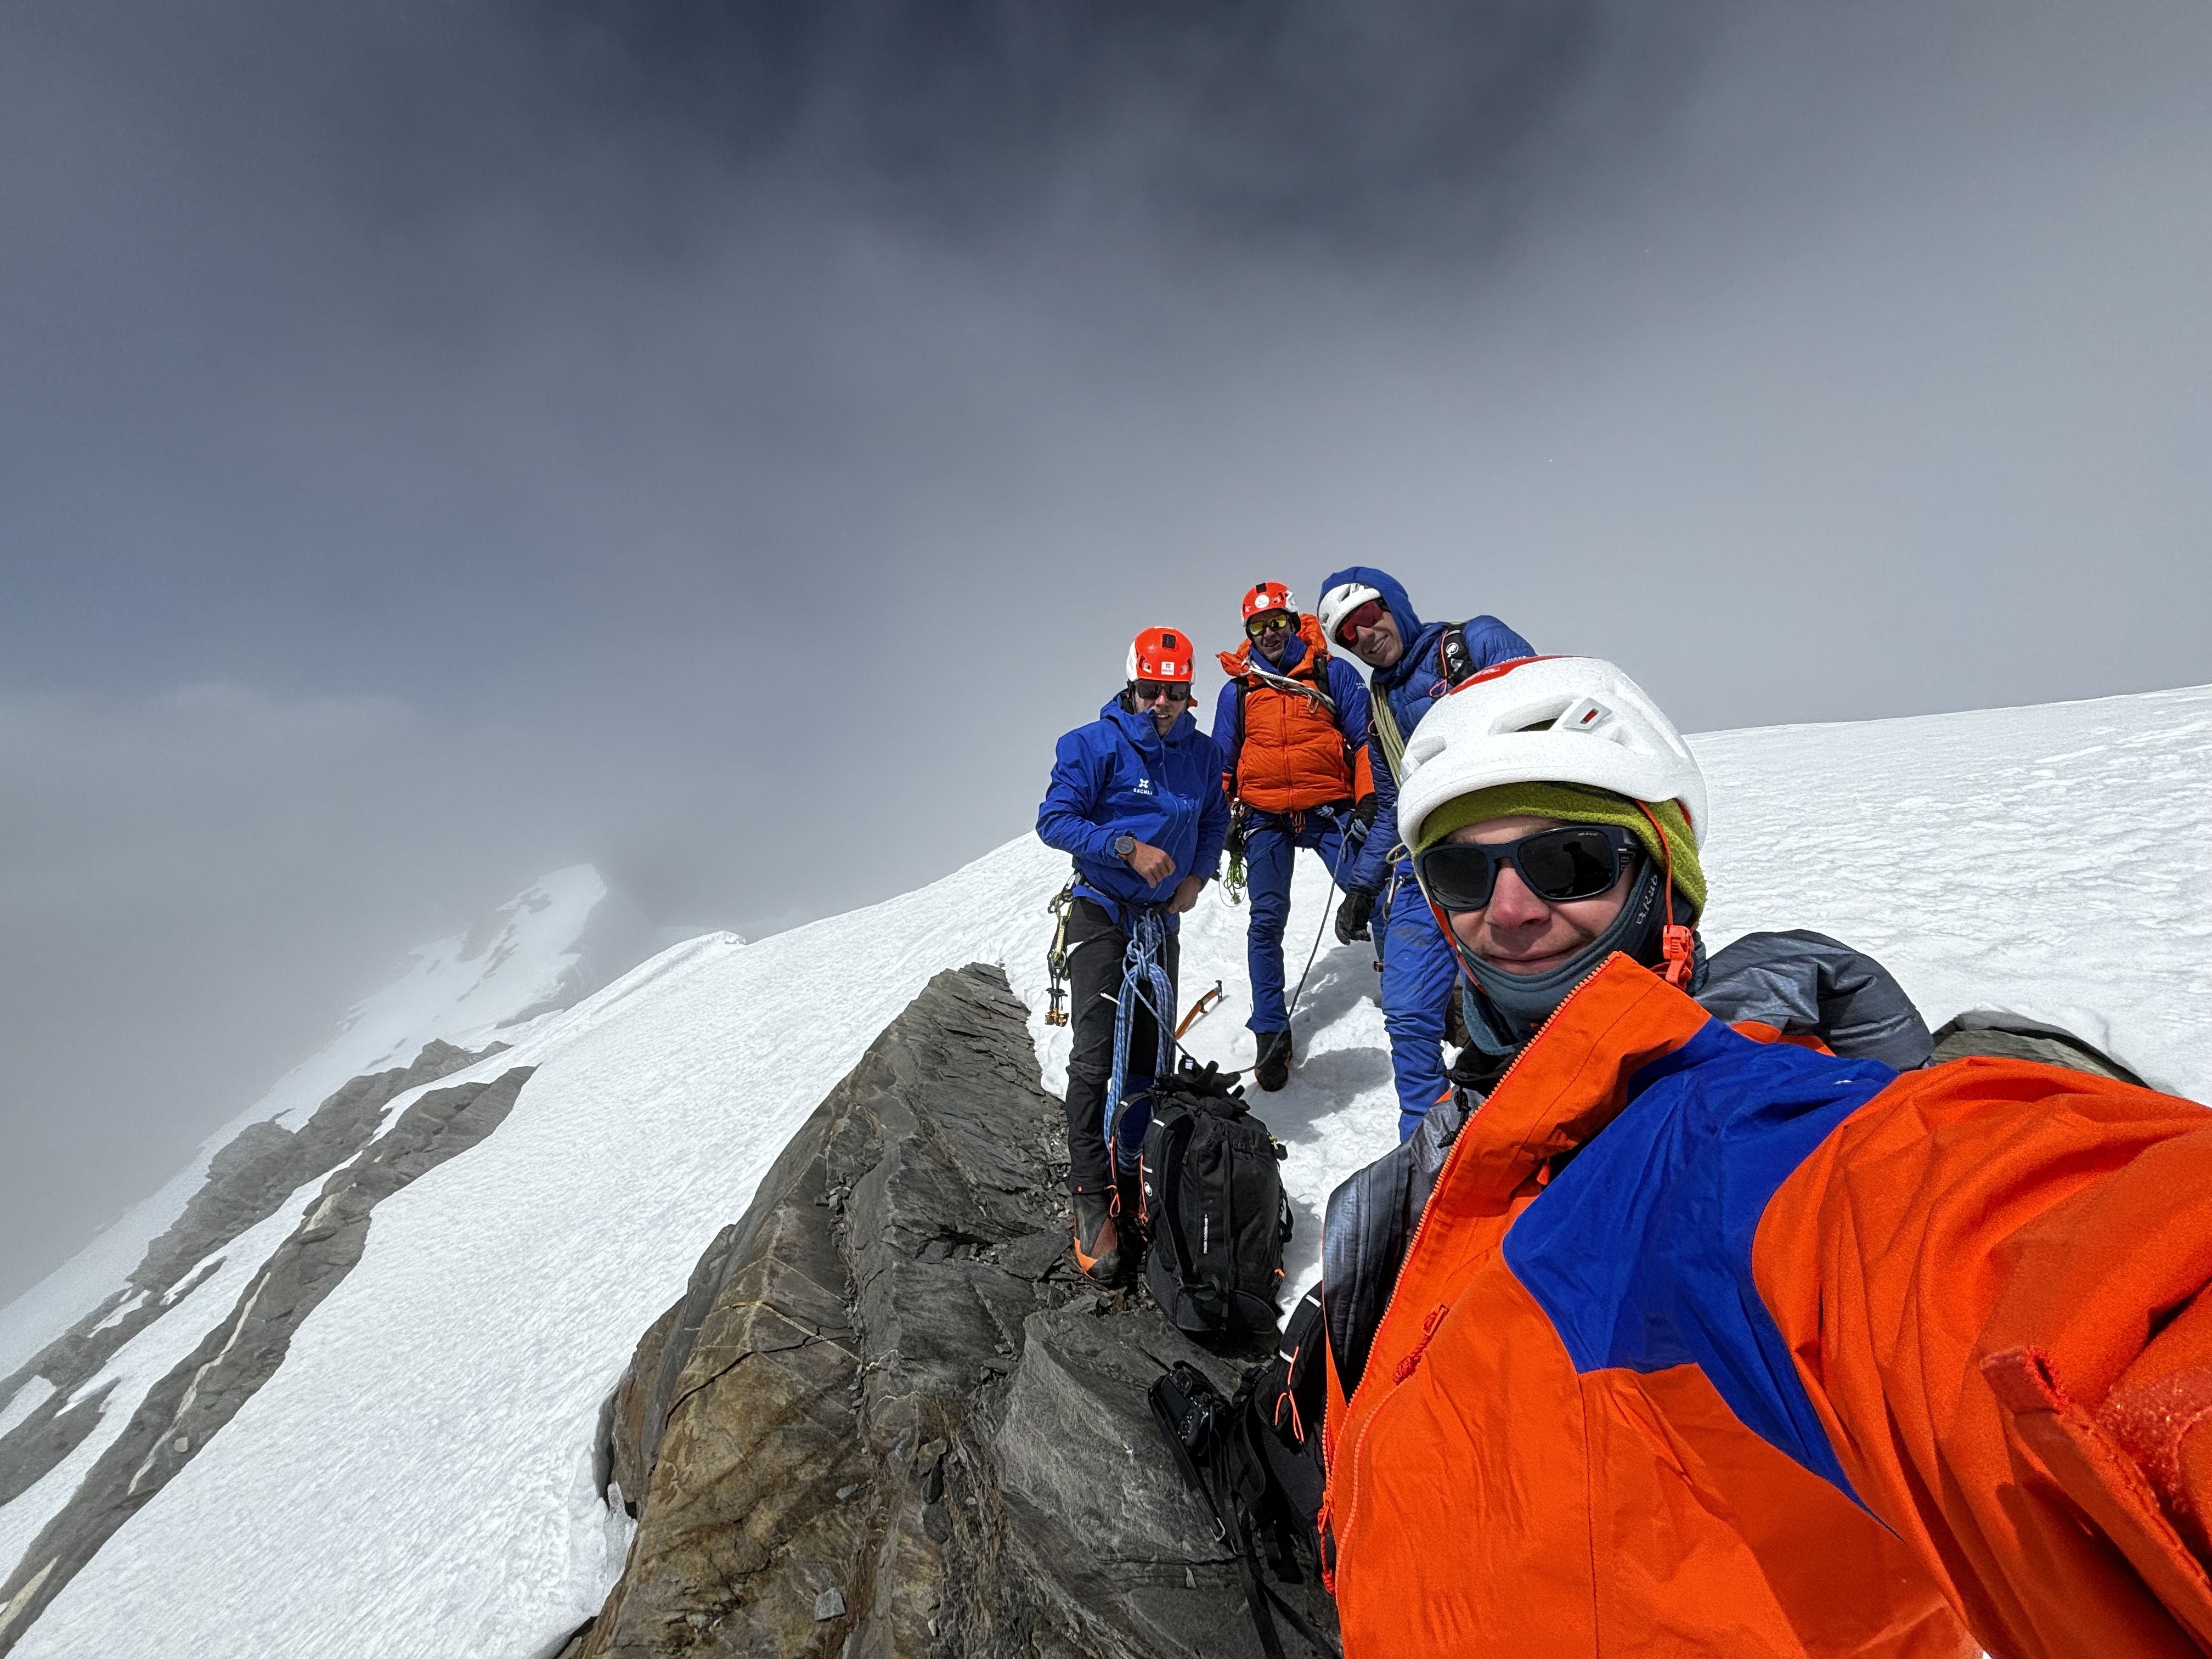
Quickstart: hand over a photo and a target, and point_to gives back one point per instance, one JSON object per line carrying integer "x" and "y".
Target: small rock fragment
{"x": 830, "y": 1604}
{"x": 844, "y": 1492}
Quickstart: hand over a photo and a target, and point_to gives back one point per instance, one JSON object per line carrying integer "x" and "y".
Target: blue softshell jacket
{"x": 1118, "y": 775}
{"x": 1344, "y": 687}
{"x": 1412, "y": 684}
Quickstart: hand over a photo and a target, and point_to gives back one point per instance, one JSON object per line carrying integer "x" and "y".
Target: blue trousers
{"x": 1270, "y": 848}
{"x": 1420, "y": 976}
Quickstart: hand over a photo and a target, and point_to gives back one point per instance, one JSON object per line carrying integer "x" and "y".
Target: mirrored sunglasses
{"x": 1347, "y": 631}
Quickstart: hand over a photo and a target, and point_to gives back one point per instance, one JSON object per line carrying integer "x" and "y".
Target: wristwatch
{"x": 1124, "y": 844}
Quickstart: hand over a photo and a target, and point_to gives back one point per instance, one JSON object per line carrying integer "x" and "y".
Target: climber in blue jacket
{"x": 1365, "y": 611}
{"x": 1136, "y": 801}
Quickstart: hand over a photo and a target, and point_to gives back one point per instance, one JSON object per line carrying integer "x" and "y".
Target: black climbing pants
{"x": 1095, "y": 948}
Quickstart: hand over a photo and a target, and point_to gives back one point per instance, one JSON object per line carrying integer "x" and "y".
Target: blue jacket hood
{"x": 1410, "y": 626}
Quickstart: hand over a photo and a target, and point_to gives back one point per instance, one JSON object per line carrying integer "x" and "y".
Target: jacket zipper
{"x": 1420, "y": 1227}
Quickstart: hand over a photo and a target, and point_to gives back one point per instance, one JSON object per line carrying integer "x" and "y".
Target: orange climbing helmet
{"x": 1161, "y": 653}
{"x": 1269, "y": 596}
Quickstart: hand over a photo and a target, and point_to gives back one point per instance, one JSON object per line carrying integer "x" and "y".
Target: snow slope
{"x": 416, "y": 1479}
{"x": 537, "y": 954}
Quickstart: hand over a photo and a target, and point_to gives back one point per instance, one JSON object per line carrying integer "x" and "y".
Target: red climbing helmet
{"x": 1161, "y": 653}
{"x": 1269, "y": 596}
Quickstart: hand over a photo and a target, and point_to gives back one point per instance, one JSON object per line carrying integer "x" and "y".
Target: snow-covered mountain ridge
{"x": 416, "y": 1477}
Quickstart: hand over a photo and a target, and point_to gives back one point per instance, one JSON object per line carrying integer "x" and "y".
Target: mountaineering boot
{"x": 1273, "y": 1069}
{"x": 1097, "y": 1242}
{"x": 1129, "y": 1216}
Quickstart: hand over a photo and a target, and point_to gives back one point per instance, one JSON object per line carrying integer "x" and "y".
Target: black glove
{"x": 1233, "y": 844}
{"x": 1351, "y": 917}
{"x": 1357, "y": 819}
{"x": 1210, "y": 1079}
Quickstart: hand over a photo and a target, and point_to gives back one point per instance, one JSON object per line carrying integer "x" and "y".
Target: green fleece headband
{"x": 1570, "y": 803}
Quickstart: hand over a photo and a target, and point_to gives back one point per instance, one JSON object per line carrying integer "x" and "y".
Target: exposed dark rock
{"x": 189, "y": 1407}
{"x": 886, "y": 1418}
{"x": 2009, "y": 1036}
{"x": 45, "y": 1438}
{"x": 246, "y": 1180}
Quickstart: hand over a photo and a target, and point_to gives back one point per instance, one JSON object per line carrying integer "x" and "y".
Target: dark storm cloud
{"x": 730, "y": 441}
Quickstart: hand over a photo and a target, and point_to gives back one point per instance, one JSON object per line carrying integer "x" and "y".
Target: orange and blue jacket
{"x": 1707, "y": 1343}
{"x": 1290, "y": 749}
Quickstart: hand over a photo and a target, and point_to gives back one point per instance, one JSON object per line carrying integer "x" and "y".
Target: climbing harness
{"x": 1140, "y": 966}
{"x": 1055, "y": 957}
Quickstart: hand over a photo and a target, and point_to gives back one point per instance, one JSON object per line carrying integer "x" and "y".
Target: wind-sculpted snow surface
{"x": 418, "y": 1476}
{"x": 563, "y": 936}
{"x": 2053, "y": 861}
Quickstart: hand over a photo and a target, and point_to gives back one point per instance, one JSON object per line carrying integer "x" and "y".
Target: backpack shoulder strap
{"x": 1457, "y": 661}
{"x": 1236, "y": 748}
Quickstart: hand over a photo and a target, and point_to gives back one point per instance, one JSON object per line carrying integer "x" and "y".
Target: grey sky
{"x": 729, "y": 442}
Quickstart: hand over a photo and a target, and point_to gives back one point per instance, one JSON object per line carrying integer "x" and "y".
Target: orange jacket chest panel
{"x": 1293, "y": 755}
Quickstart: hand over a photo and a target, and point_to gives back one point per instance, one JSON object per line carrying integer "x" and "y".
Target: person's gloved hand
{"x": 1209, "y": 1079}
{"x": 1358, "y": 821}
{"x": 1351, "y": 917}
{"x": 1234, "y": 843}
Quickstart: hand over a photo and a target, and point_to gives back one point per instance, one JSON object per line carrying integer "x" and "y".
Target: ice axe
{"x": 1206, "y": 1002}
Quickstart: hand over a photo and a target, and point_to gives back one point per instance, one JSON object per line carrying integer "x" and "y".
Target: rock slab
{"x": 887, "y": 1417}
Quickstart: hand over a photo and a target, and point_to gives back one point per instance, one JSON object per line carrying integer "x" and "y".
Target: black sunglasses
{"x": 1573, "y": 861}
{"x": 1173, "y": 690}
{"x": 1268, "y": 620}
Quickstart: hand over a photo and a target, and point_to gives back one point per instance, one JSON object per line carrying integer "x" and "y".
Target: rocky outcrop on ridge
{"x": 887, "y": 1417}
{"x": 2010, "y": 1036}
{"x": 185, "y": 1410}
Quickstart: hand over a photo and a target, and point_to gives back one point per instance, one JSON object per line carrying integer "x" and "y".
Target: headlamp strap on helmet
{"x": 1677, "y": 944}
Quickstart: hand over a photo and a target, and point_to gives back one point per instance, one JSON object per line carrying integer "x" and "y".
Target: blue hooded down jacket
{"x": 1119, "y": 775}
{"x": 1412, "y": 684}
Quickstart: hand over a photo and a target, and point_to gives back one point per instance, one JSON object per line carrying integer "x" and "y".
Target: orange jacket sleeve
{"x": 1989, "y": 1277}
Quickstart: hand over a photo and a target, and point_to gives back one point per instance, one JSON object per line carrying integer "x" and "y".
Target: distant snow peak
{"x": 553, "y": 943}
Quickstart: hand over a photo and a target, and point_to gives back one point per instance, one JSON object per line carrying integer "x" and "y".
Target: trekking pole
{"x": 1335, "y": 886}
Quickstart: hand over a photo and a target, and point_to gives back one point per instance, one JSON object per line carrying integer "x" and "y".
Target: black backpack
{"x": 1284, "y": 1399}
{"x": 1229, "y": 1456}
{"x": 1214, "y": 1208}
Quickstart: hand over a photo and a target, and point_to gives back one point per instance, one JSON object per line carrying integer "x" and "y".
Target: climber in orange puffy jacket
{"x": 1708, "y": 1317}
{"x": 1291, "y": 723}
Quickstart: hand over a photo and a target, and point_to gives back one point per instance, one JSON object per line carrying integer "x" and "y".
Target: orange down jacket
{"x": 1290, "y": 752}
{"x": 1802, "y": 1355}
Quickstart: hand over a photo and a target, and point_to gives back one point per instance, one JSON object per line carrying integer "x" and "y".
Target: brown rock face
{"x": 887, "y": 1419}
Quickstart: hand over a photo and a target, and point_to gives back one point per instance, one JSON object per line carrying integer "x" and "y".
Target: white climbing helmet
{"x": 1548, "y": 720}
{"x": 1339, "y": 601}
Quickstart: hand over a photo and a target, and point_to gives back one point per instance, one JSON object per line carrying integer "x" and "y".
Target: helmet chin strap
{"x": 1677, "y": 944}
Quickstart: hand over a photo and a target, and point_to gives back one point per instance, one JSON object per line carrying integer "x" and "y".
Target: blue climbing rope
{"x": 1140, "y": 966}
